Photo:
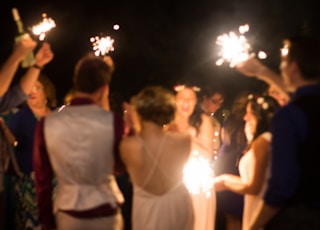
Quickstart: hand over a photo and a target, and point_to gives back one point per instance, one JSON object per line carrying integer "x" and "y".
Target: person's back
{"x": 78, "y": 145}
{"x": 156, "y": 165}
{"x": 155, "y": 161}
{"x": 78, "y": 173}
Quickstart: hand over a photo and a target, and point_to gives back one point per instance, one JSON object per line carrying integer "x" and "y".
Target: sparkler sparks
{"x": 43, "y": 27}
{"x": 102, "y": 45}
{"x": 235, "y": 47}
{"x": 198, "y": 175}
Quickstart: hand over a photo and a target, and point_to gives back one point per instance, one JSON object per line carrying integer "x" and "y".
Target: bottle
{"x": 29, "y": 59}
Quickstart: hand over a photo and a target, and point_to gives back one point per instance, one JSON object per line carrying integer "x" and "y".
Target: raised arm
{"x": 42, "y": 57}
{"x": 9, "y": 68}
{"x": 253, "y": 184}
{"x": 254, "y": 68}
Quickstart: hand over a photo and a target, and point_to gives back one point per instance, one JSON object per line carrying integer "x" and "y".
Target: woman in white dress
{"x": 155, "y": 160}
{"x": 254, "y": 165}
{"x": 190, "y": 119}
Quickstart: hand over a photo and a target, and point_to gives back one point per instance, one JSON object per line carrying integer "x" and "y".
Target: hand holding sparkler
{"x": 102, "y": 45}
{"x": 235, "y": 47}
{"x": 42, "y": 28}
{"x": 44, "y": 55}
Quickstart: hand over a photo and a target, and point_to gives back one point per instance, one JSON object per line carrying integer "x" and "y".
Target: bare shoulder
{"x": 129, "y": 144}
{"x": 263, "y": 139}
{"x": 261, "y": 145}
{"x": 178, "y": 137}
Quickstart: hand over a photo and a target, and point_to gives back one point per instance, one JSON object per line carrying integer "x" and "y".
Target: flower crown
{"x": 260, "y": 101}
{"x": 180, "y": 87}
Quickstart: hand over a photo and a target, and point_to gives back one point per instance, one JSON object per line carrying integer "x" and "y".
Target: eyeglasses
{"x": 36, "y": 88}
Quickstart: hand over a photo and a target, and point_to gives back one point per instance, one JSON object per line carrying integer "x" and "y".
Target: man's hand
{"x": 23, "y": 47}
{"x": 44, "y": 55}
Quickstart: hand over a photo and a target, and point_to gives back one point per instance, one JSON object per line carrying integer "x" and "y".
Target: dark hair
{"x": 305, "y": 50}
{"x": 49, "y": 90}
{"x": 156, "y": 104}
{"x": 234, "y": 123}
{"x": 213, "y": 88}
{"x": 264, "y": 108}
{"x": 91, "y": 73}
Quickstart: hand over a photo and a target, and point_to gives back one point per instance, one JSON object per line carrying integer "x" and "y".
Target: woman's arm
{"x": 260, "y": 157}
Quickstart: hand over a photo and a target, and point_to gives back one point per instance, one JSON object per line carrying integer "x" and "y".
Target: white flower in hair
{"x": 265, "y": 105}
{"x": 260, "y": 100}
{"x": 178, "y": 88}
{"x": 196, "y": 89}
{"x": 250, "y": 96}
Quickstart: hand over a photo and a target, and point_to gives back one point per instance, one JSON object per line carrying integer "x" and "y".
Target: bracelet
{"x": 37, "y": 66}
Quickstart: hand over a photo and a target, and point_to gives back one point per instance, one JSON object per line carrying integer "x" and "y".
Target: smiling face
{"x": 186, "y": 100}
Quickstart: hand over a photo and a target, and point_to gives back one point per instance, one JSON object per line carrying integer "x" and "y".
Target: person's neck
{"x": 40, "y": 111}
{"x": 148, "y": 127}
{"x": 182, "y": 124}
{"x": 85, "y": 95}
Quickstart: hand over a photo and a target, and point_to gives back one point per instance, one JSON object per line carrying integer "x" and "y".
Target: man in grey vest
{"x": 78, "y": 146}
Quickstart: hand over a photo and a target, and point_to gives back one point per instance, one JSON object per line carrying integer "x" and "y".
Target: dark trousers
{"x": 296, "y": 217}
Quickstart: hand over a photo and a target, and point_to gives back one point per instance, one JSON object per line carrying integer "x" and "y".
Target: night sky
{"x": 160, "y": 42}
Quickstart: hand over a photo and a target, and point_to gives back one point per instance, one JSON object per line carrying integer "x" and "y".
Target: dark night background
{"x": 160, "y": 42}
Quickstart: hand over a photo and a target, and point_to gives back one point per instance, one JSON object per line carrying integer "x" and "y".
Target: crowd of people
{"x": 68, "y": 163}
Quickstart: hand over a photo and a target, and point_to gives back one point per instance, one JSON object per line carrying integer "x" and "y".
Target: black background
{"x": 160, "y": 42}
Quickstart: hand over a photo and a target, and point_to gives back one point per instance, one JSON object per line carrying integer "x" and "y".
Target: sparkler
{"x": 284, "y": 50}
{"x": 235, "y": 47}
{"x": 102, "y": 45}
{"x": 43, "y": 27}
{"x": 198, "y": 175}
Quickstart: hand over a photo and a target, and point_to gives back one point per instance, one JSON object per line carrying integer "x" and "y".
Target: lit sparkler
{"x": 236, "y": 47}
{"x": 43, "y": 27}
{"x": 102, "y": 45}
{"x": 198, "y": 175}
{"x": 284, "y": 50}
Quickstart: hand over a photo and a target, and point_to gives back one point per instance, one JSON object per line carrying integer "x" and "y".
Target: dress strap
{"x": 153, "y": 157}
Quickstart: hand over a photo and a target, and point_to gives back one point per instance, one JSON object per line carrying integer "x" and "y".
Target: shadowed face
{"x": 213, "y": 103}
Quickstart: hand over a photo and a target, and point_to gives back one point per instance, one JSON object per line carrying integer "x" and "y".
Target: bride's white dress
{"x": 204, "y": 202}
{"x": 252, "y": 203}
{"x": 172, "y": 210}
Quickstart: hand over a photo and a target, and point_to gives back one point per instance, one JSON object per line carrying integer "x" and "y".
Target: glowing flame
{"x": 262, "y": 55}
{"x": 43, "y": 27}
{"x": 116, "y": 27}
{"x": 198, "y": 175}
{"x": 284, "y": 50}
{"x": 102, "y": 45}
{"x": 235, "y": 47}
